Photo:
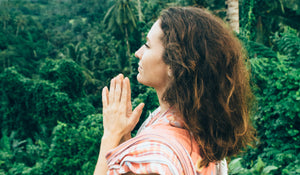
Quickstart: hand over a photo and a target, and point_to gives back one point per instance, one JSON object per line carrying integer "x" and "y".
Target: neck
{"x": 164, "y": 106}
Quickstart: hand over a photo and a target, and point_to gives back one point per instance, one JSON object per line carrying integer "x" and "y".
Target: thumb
{"x": 136, "y": 113}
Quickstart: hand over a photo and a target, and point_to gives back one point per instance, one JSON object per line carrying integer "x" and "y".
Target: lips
{"x": 140, "y": 67}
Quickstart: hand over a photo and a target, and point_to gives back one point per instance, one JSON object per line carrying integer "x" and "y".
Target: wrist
{"x": 113, "y": 138}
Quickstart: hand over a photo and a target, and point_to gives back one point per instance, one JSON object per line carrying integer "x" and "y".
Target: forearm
{"x": 107, "y": 143}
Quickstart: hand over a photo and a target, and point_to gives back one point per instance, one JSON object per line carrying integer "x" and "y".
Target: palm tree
{"x": 76, "y": 52}
{"x": 140, "y": 11}
{"x": 233, "y": 14}
{"x": 4, "y": 17}
{"x": 121, "y": 18}
{"x": 21, "y": 23}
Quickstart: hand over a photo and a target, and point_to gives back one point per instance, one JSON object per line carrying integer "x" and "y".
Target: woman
{"x": 196, "y": 66}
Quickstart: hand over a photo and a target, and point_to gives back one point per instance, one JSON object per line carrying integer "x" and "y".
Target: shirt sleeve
{"x": 144, "y": 157}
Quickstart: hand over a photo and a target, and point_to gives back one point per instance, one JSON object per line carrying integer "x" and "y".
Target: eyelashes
{"x": 146, "y": 45}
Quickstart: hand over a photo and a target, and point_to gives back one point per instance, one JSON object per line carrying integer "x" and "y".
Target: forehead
{"x": 155, "y": 31}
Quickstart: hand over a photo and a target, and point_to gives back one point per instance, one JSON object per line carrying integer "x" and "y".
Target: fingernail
{"x": 103, "y": 90}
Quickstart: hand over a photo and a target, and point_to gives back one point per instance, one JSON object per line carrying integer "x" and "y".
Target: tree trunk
{"x": 233, "y": 14}
{"x": 259, "y": 31}
{"x": 128, "y": 48}
{"x": 140, "y": 11}
{"x": 17, "y": 32}
{"x": 140, "y": 17}
{"x": 4, "y": 25}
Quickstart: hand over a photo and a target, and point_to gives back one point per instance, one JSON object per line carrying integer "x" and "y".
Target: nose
{"x": 139, "y": 52}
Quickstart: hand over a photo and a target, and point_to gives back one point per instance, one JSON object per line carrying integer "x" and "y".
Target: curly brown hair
{"x": 210, "y": 85}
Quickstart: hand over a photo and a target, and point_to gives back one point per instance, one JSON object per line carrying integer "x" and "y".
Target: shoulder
{"x": 144, "y": 157}
{"x": 158, "y": 148}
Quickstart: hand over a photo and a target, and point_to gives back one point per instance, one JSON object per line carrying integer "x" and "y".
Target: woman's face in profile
{"x": 152, "y": 70}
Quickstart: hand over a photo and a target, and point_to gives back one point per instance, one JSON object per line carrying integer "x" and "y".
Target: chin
{"x": 140, "y": 79}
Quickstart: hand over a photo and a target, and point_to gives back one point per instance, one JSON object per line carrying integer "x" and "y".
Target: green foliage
{"x": 22, "y": 41}
{"x": 248, "y": 20}
{"x": 153, "y": 8}
{"x": 260, "y": 19}
{"x": 31, "y": 105}
{"x": 15, "y": 90}
{"x": 74, "y": 150}
{"x": 121, "y": 16}
{"x": 66, "y": 74}
{"x": 235, "y": 167}
{"x": 288, "y": 43}
{"x": 256, "y": 50}
{"x": 277, "y": 88}
{"x": 21, "y": 157}
{"x": 56, "y": 56}
{"x": 278, "y": 95}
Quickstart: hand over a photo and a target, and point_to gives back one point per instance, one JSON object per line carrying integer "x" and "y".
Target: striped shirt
{"x": 158, "y": 148}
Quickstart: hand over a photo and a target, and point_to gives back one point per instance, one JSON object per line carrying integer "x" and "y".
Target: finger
{"x": 128, "y": 94}
{"x": 127, "y": 100}
{"x": 136, "y": 114}
{"x": 121, "y": 80}
{"x": 121, "y": 76}
{"x": 104, "y": 97}
{"x": 124, "y": 92}
{"x": 112, "y": 90}
{"x": 128, "y": 90}
{"x": 118, "y": 89}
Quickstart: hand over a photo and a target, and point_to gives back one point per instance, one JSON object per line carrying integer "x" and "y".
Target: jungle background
{"x": 57, "y": 55}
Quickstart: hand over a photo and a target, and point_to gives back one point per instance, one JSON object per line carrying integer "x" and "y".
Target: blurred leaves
{"x": 56, "y": 56}
{"x": 276, "y": 84}
{"x": 235, "y": 167}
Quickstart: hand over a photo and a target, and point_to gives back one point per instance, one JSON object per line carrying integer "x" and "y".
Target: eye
{"x": 146, "y": 45}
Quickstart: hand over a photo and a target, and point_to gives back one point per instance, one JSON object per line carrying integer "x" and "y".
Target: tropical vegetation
{"x": 56, "y": 56}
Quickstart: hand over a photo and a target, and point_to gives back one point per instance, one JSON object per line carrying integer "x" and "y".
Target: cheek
{"x": 153, "y": 64}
